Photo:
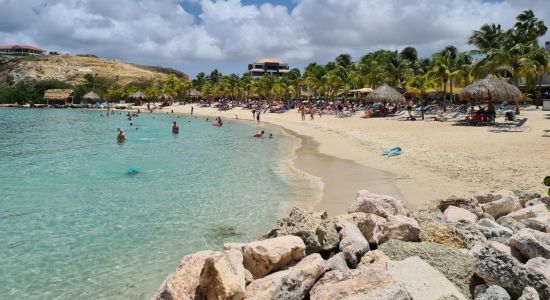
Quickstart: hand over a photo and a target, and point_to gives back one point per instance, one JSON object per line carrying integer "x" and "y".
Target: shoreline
{"x": 438, "y": 159}
{"x": 334, "y": 181}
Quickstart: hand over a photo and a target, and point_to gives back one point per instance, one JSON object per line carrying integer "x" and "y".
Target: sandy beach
{"x": 438, "y": 158}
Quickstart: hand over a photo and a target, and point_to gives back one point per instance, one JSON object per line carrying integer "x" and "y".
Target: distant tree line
{"x": 513, "y": 54}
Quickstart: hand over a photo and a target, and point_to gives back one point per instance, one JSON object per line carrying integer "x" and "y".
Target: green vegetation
{"x": 514, "y": 54}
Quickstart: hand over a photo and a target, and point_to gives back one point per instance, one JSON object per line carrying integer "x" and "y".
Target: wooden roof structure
{"x": 58, "y": 94}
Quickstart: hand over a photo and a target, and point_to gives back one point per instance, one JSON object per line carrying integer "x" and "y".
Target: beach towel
{"x": 392, "y": 152}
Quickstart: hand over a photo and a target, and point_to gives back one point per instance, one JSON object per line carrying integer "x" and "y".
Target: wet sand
{"x": 342, "y": 178}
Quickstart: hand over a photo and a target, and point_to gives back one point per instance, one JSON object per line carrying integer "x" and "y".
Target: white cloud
{"x": 228, "y": 34}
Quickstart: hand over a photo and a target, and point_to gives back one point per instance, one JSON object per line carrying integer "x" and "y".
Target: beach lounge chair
{"x": 510, "y": 127}
{"x": 546, "y": 133}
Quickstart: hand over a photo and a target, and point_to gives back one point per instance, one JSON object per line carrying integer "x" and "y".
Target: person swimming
{"x": 259, "y": 134}
{"x": 175, "y": 128}
{"x": 271, "y": 135}
{"x": 121, "y": 137}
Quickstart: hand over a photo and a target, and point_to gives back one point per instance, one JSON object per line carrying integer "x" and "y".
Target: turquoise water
{"x": 75, "y": 225}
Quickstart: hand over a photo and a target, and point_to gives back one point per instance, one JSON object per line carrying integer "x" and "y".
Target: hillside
{"x": 72, "y": 69}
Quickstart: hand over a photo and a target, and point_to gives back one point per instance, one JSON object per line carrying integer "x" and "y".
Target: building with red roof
{"x": 20, "y": 50}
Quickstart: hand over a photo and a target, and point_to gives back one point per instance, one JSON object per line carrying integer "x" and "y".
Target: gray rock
{"x": 533, "y": 202}
{"x": 381, "y": 205}
{"x": 493, "y": 230}
{"x": 427, "y": 215}
{"x": 352, "y": 244}
{"x": 525, "y": 196}
{"x": 503, "y": 206}
{"x": 400, "y": 228}
{"x": 499, "y": 268}
{"x": 337, "y": 262}
{"x": 541, "y": 265}
{"x": 510, "y": 223}
{"x": 316, "y": 229}
{"x": 529, "y": 293}
{"x": 540, "y": 224}
{"x": 494, "y": 292}
{"x": 531, "y": 243}
{"x": 535, "y": 211}
{"x": 457, "y": 267}
{"x": 290, "y": 284}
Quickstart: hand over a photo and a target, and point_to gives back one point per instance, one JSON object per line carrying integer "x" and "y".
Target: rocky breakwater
{"x": 486, "y": 246}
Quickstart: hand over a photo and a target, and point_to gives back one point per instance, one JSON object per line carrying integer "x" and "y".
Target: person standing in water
{"x": 258, "y": 117}
{"x": 191, "y": 110}
{"x": 220, "y": 122}
{"x": 175, "y": 128}
{"x": 121, "y": 137}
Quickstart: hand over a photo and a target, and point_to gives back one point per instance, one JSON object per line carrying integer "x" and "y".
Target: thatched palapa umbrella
{"x": 91, "y": 97}
{"x": 385, "y": 94}
{"x": 165, "y": 98}
{"x": 137, "y": 96}
{"x": 58, "y": 95}
{"x": 490, "y": 89}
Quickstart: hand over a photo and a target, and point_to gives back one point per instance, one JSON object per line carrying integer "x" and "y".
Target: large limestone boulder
{"x": 525, "y": 196}
{"x": 222, "y": 276}
{"x": 354, "y": 218}
{"x": 421, "y": 280}
{"x": 531, "y": 243}
{"x": 183, "y": 283}
{"x": 358, "y": 284}
{"x": 501, "y": 207}
{"x": 457, "y": 267}
{"x": 372, "y": 228}
{"x": 471, "y": 204}
{"x": 493, "y": 230}
{"x": 316, "y": 228}
{"x": 374, "y": 261}
{"x": 352, "y": 244}
{"x": 401, "y": 228}
{"x": 499, "y": 268}
{"x": 536, "y": 201}
{"x": 380, "y": 205}
{"x": 290, "y": 284}
{"x": 510, "y": 223}
{"x": 540, "y": 223}
{"x": 461, "y": 234}
{"x": 337, "y": 262}
{"x": 264, "y": 257}
{"x": 535, "y": 211}
{"x": 497, "y": 245}
{"x": 529, "y": 293}
{"x": 541, "y": 265}
{"x": 494, "y": 292}
{"x": 453, "y": 214}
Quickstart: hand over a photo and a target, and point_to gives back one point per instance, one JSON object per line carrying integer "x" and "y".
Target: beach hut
{"x": 165, "y": 98}
{"x": 91, "y": 97}
{"x": 58, "y": 96}
{"x": 385, "y": 94}
{"x": 137, "y": 96}
{"x": 491, "y": 90}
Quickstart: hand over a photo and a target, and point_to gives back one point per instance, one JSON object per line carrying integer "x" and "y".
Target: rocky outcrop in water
{"x": 487, "y": 246}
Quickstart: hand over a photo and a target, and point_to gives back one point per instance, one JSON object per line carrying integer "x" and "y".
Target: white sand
{"x": 438, "y": 159}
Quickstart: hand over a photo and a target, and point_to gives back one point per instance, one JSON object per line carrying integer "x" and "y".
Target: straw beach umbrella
{"x": 490, "y": 89}
{"x": 385, "y": 94}
{"x": 91, "y": 97}
{"x": 137, "y": 96}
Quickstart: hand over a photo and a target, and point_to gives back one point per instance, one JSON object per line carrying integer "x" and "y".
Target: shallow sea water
{"x": 75, "y": 225}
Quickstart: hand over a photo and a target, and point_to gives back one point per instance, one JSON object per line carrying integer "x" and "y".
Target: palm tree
{"x": 487, "y": 38}
{"x": 397, "y": 70}
{"x": 315, "y": 78}
{"x": 420, "y": 84}
{"x": 441, "y": 70}
{"x": 541, "y": 60}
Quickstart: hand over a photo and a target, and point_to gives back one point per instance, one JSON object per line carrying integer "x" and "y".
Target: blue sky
{"x": 200, "y": 35}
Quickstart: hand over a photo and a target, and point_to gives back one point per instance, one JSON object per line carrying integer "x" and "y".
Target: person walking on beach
{"x": 409, "y": 108}
{"x": 253, "y": 114}
{"x": 121, "y": 137}
{"x": 303, "y": 112}
{"x": 258, "y": 117}
{"x": 312, "y": 112}
{"x": 175, "y": 128}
